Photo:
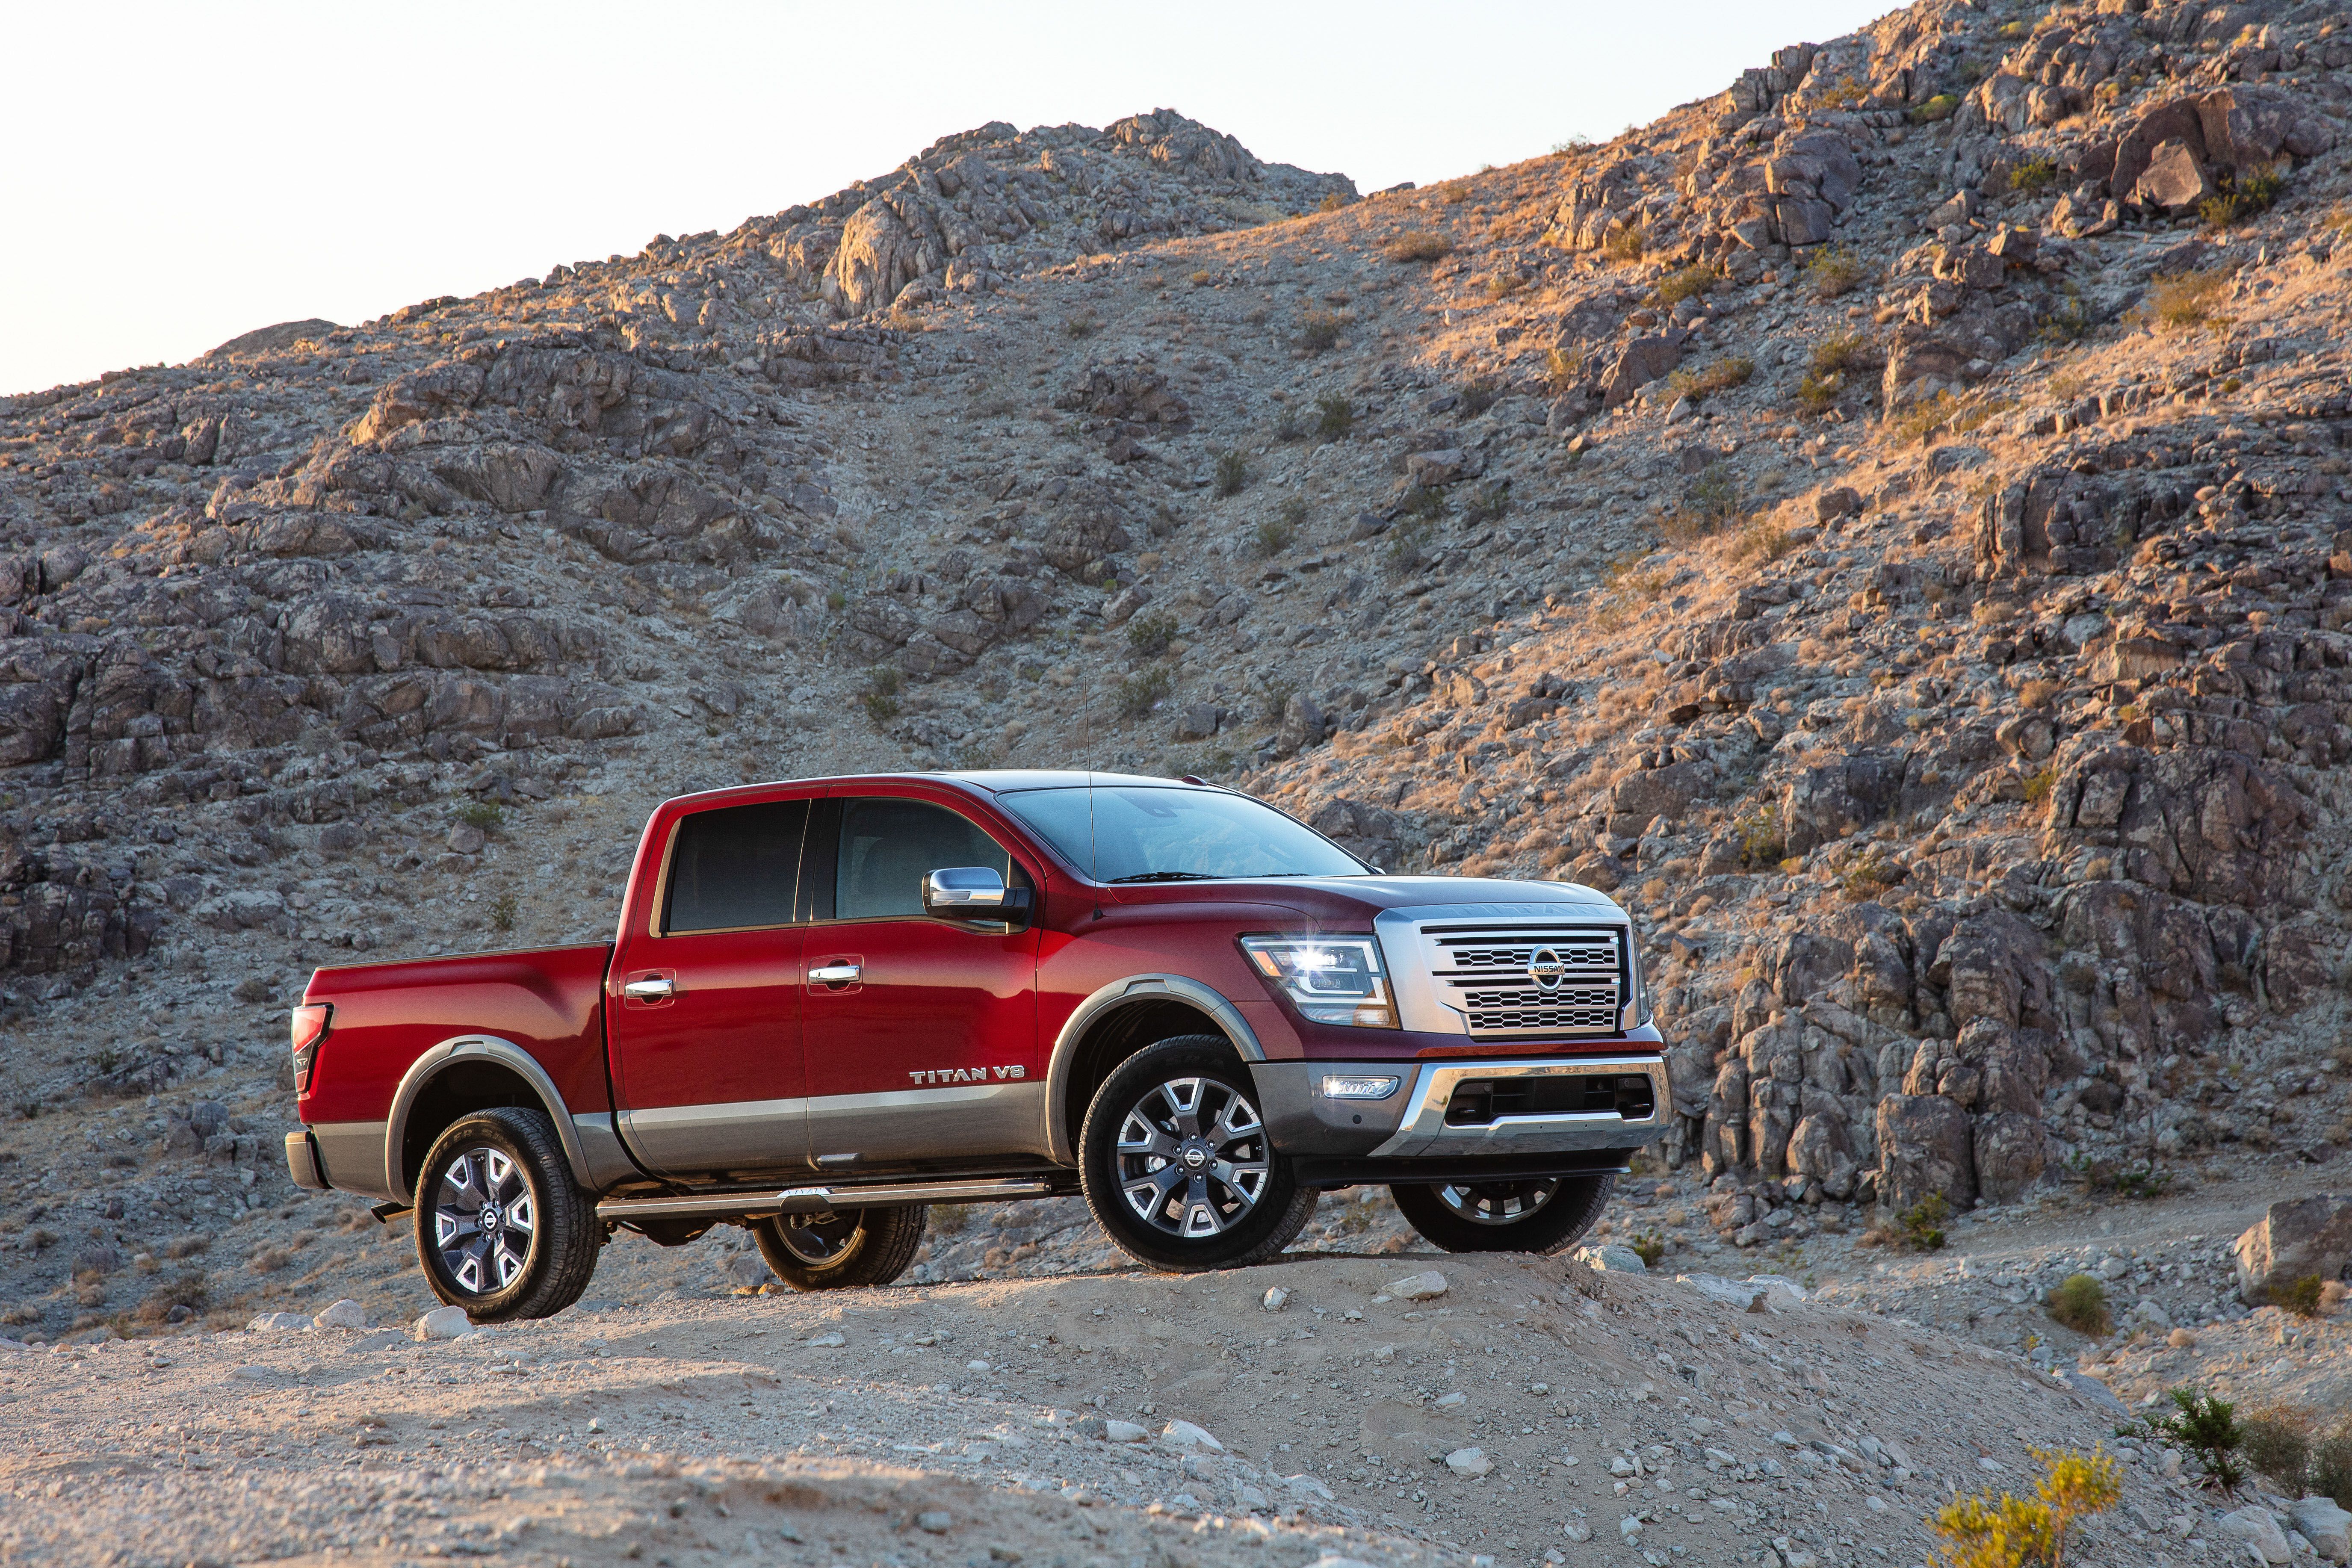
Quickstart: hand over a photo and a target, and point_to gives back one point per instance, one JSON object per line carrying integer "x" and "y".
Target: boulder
{"x": 2259, "y": 1528}
{"x": 442, "y": 1323}
{"x": 1925, "y": 1148}
{"x": 2327, "y": 1527}
{"x": 2175, "y": 179}
{"x": 1640, "y": 363}
{"x": 2011, "y": 1150}
{"x": 2294, "y": 1239}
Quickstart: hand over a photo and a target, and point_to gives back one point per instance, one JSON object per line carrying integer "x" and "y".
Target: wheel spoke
{"x": 1139, "y": 1136}
{"x": 1159, "y": 1184}
{"x": 1201, "y": 1217}
{"x": 1164, "y": 1175}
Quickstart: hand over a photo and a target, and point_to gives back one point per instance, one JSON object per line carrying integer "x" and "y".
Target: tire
{"x": 509, "y": 1161}
{"x": 836, "y": 1251}
{"x": 1242, "y": 1207}
{"x": 1506, "y": 1216}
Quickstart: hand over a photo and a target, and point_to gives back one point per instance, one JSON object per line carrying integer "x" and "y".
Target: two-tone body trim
{"x": 1060, "y": 1142}
{"x": 595, "y": 1155}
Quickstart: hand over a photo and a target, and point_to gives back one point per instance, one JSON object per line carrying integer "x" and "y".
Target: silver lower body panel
{"x": 351, "y": 1158}
{"x": 949, "y": 1122}
{"x": 1425, "y": 1131}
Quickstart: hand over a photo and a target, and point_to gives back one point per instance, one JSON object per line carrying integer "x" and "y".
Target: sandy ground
{"x": 1512, "y": 1418}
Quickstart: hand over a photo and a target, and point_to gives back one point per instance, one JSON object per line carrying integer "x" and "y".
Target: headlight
{"x": 1360, "y": 1086}
{"x": 1331, "y": 980}
{"x": 1640, "y": 1006}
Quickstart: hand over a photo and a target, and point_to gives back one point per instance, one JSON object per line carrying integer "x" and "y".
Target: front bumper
{"x": 1412, "y": 1122}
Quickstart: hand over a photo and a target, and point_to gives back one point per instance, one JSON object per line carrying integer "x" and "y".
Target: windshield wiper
{"x": 1166, "y": 876}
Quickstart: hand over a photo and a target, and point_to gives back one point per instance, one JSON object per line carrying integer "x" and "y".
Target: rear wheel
{"x": 1178, "y": 1167}
{"x": 501, "y": 1228}
{"x": 841, "y": 1249}
{"x": 1542, "y": 1215}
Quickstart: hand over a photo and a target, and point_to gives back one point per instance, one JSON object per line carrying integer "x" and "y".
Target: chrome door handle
{"x": 835, "y": 973}
{"x": 653, "y": 989}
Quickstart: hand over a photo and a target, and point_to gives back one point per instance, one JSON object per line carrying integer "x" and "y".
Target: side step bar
{"x": 818, "y": 1200}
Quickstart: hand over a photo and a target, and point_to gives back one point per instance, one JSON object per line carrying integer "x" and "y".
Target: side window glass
{"x": 735, "y": 867}
{"x": 889, "y": 846}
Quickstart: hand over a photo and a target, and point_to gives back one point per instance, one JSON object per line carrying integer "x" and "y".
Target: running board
{"x": 817, "y": 1200}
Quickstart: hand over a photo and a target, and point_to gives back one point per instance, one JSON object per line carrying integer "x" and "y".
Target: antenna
{"x": 1094, "y": 846}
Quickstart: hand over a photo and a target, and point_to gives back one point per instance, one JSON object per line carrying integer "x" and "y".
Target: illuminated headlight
{"x": 1330, "y": 979}
{"x": 1638, "y": 1008}
{"x": 1336, "y": 1086}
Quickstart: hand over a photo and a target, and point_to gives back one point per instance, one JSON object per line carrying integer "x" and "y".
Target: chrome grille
{"x": 1483, "y": 971}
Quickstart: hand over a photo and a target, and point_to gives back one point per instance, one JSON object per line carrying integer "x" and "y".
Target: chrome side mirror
{"x": 964, "y": 891}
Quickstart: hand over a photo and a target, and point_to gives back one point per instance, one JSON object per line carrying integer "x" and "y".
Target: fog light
{"x": 1336, "y": 1086}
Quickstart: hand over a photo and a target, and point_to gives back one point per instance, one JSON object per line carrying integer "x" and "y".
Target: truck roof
{"x": 991, "y": 781}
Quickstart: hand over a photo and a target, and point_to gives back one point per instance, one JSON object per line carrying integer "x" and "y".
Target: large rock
{"x": 1641, "y": 362}
{"x": 2327, "y": 1527}
{"x": 2294, "y": 1239}
{"x": 1926, "y": 1149}
{"x": 2259, "y": 1528}
{"x": 2011, "y": 1151}
{"x": 2175, "y": 179}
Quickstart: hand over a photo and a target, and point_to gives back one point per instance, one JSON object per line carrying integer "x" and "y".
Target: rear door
{"x": 704, "y": 999}
{"x": 923, "y": 1032}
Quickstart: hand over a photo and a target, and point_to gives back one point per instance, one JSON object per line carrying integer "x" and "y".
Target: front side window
{"x": 1155, "y": 832}
{"x": 889, "y": 846}
{"x": 734, "y": 867}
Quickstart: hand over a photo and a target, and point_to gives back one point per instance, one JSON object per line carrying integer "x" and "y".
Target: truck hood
{"x": 1358, "y": 898}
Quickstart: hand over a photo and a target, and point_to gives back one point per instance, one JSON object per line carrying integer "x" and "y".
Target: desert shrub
{"x": 2329, "y": 1474}
{"x": 1319, "y": 330}
{"x": 1925, "y": 417}
{"x": 1626, "y": 245}
{"x": 881, "y": 695}
{"x": 1985, "y": 1531}
{"x": 1334, "y": 416}
{"x": 1832, "y": 270}
{"x": 1478, "y": 395}
{"x": 1870, "y": 876}
{"x": 1233, "y": 472}
{"x": 1424, "y": 503}
{"x": 2277, "y": 1444}
{"x": 2038, "y": 785}
{"x": 2079, "y": 1302}
{"x": 1699, "y": 386}
{"x": 1846, "y": 94}
{"x": 1332, "y": 202}
{"x": 1287, "y": 428}
{"x": 1650, "y": 1247}
{"x": 1278, "y": 532}
{"x": 1085, "y": 324}
{"x": 482, "y": 814}
{"x": 1418, "y": 244}
{"x": 1402, "y": 551}
{"x": 1762, "y": 841}
{"x": 1921, "y": 1227}
{"x": 2186, "y": 301}
{"x": 2209, "y": 1429}
{"x": 189, "y": 1290}
{"x": 1138, "y": 694}
{"x": 1563, "y": 369}
{"x": 1830, "y": 370}
{"x": 502, "y": 912}
{"x": 1763, "y": 540}
{"x": 2032, "y": 177}
{"x": 1939, "y": 107}
{"x": 1709, "y": 501}
{"x": 1503, "y": 285}
{"x": 1689, "y": 284}
{"x": 1150, "y": 634}
{"x": 2068, "y": 322}
{"x": 2301, "y": 1297}
{"x": 1486, "y": 502}
{"x": 2241, "y": 198}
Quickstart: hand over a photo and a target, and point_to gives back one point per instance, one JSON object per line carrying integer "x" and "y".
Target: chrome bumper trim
{"x": 1425, "y": 1130}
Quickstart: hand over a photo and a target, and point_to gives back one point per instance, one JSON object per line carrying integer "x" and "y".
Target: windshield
{"x": 1162, "y": 833}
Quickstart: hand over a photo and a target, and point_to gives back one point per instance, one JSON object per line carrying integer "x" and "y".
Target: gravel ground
{"x": 1511, "y": 1418}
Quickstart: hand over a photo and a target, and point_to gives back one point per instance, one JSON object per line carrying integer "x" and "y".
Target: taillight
{"x": 309, "y": 1027}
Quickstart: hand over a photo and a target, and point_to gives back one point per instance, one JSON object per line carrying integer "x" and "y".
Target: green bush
{"x": 1085, "y": 324}
{"x": 2034, "y": 177}
{"x": 1478, "y": 395}
{"x": 1334, "y": 416}
{"x": 1287, "y": 428}
{"x": 2303, "y": 1297}
{"x": 2242, "y": 196}
{"x": 1277, "y": 534}
{"x": 1688, "y": 283}
{"x": 1699, "y": 386}
{"x": 1419, "y": 244}
{"x": 881, "y": 696}
{"x": 2277, "y": 1444}
{"x": 1233, "y": 472}
{"x": 1424, "y": 503}
{"x": 502, "y": 911}
{"x": 2330, "y": 1471}
{"x": 1151, "y": 635}
{"x": 1486, "y": 502}
{"x": 2208, "y": 1427}
{"x": 2080, "y": 1302}
{"x": 1138, "y": 694}
{"x": 482, "y": 814}
{"x": 1832, "y": 270}
{"x": 1922, "y": 1225}
{"x": 1939, "y": 107}
{"x": 1626, "y": 245}
{"x": 1650, "y": 1247}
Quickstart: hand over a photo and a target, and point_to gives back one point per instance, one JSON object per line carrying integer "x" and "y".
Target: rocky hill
{"x": 1888, "y": 521}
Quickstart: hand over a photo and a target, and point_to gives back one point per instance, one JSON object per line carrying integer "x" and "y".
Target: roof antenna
{"x": 1094, "y": 846}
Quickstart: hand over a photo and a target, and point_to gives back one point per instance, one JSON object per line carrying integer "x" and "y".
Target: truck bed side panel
{"x": 548, "y": 1001}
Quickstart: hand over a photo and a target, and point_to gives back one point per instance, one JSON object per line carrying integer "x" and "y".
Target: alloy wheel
{"x": 1498, "y": 1203}
{"x": 485, "y": 1221}
{"x": 1193, "y": 1157}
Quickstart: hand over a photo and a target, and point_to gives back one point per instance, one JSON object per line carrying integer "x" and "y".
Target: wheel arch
{"x": 465, "y": 1074}
{"x": 1113, "y": 1024}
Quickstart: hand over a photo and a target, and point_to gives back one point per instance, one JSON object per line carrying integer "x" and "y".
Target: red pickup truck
{"x": 832, "y": 1003}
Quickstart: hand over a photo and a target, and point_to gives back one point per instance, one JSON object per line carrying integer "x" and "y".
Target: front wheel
{"x": 501, "y": 1228}
{"x": 1177, "y": 1165}
{"x": 836, "y": 1250}
{"x": 1541, "y": 1214}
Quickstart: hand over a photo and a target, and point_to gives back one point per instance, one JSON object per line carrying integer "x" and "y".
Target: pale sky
{"x": 178, "y": 174}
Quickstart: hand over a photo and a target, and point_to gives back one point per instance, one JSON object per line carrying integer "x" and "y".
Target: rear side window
{"x": 889, "y": 846}
{"x": 738, "y": 866}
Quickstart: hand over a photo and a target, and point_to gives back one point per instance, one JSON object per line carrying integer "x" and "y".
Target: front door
{"x": 923, "y": 1032}
{"x": 704, "y": 1001}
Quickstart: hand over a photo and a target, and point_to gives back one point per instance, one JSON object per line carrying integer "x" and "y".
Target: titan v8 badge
{"x": 967, "y": 1075}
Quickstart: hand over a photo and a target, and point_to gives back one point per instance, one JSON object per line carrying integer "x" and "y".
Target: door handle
{"x": 835, "y": 973}
{"x": 653, "y": 988}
